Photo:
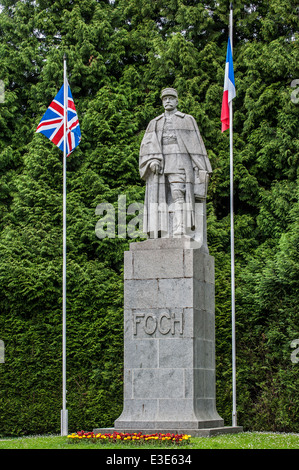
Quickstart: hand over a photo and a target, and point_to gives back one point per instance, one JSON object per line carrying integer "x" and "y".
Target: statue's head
{"x": 169, "y": 98}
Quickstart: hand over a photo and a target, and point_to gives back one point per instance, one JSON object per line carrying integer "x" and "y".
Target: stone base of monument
{"x": 169, "y": 340}
{"x": 205, "y": 432}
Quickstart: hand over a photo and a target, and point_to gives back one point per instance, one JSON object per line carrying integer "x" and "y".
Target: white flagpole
{"x": 234, "y": 411}
{"x": 64, "y": 412}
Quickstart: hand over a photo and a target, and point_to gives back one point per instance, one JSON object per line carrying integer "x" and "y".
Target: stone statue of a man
{"x": 174, "y": 163}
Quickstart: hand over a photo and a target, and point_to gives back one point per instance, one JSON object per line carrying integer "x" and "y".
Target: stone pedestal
{"x": 169, "y": 340}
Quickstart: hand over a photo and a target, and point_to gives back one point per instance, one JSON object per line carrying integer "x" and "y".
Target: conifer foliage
{"x": 120, "y": 54}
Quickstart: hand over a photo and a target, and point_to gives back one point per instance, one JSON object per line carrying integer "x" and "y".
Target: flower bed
{"x": 136, "y": 438}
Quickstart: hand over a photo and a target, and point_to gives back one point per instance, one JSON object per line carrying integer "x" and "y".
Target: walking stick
{"x": 156, "y": 203}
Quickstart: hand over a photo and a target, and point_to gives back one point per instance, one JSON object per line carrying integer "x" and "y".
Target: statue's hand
{"x": 155, "y": 167}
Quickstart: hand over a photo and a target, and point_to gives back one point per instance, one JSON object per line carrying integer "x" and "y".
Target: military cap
{"x": 169, "y": 92}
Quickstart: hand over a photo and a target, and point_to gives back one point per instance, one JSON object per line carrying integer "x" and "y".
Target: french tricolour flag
{"x": 229, "y": 90}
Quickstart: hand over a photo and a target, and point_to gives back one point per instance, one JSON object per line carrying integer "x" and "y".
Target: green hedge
{"x": 120, "y": 55}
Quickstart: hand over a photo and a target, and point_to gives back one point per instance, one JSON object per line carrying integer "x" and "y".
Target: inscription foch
{"x": 165, "y": 322}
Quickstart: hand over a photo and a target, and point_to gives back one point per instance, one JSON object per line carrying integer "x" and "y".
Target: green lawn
{"x": 246, "y": 440}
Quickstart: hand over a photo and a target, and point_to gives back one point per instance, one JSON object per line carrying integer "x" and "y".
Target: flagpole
{"x": 63, "y": 106}
{"x": 234, "y": 411}
{"x": 64, "y": 412}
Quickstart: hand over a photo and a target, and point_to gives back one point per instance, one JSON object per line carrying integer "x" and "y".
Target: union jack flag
{"x": 52, "y": 125}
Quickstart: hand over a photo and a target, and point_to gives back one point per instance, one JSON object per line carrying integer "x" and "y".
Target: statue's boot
{"x": 178, "y": 220}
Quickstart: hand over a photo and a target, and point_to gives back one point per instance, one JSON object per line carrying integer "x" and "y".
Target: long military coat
{"x": 189, "y": 142}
